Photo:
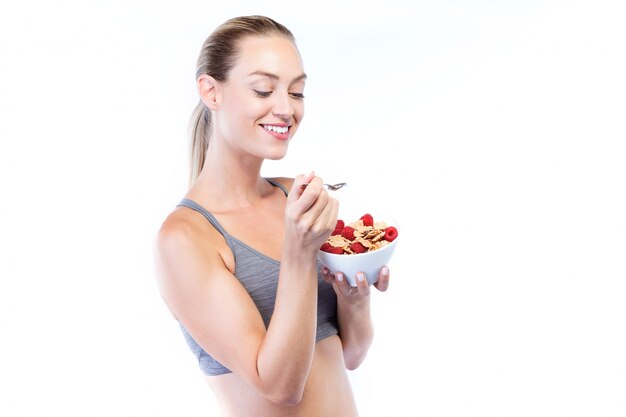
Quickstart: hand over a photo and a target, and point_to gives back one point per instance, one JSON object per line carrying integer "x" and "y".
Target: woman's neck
{"x": 231, "y": 182}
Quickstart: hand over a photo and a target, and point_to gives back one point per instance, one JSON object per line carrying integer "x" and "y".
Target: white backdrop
{"x": 493, "y": 131}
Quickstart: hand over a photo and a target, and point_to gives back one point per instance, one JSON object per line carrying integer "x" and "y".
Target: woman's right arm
{"x": 218, "y": 312}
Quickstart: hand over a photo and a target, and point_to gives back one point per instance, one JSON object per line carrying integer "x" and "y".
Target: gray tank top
{"x": 258, "y": 273}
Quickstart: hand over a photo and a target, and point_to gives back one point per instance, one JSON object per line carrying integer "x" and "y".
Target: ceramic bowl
{"x": 369, "y": 262}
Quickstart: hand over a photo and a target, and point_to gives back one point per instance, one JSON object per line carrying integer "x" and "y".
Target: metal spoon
{"x": 331, "y": 187}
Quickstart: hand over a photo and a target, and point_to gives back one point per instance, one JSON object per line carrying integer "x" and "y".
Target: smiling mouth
{"x": 277, "y": 129}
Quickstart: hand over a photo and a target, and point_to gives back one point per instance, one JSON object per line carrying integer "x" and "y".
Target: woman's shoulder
{"x": 178, "y": 227}
{"x": 184, "y": 227}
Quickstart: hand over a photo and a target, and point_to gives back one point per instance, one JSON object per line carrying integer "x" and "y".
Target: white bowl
{"x": 350, "y": 264}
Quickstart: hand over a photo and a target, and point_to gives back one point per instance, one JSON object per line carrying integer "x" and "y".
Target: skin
{"x": 281, "y": 370}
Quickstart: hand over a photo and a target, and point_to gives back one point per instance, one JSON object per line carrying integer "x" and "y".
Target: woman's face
{"x": 262, "y": 100}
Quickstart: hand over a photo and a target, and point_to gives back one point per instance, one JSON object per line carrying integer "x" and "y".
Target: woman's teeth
{"x": 277, "y": 129}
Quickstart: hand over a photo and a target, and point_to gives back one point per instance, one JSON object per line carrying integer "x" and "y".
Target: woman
{"x": 273, "y": 331}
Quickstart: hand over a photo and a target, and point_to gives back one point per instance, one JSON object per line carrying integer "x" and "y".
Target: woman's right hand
{"x": 311, "y": 214}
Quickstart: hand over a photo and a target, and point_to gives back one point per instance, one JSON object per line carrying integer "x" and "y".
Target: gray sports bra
{"x": 258, "y": 273}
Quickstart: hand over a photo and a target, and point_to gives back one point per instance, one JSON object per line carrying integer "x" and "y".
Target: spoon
{"x": 331, "y": 187}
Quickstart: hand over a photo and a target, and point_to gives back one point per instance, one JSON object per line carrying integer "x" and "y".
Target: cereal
{"x": 362, "y": 236}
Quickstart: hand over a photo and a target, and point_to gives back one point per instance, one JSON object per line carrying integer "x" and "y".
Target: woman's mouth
{"x": 280, "y": 132}
{"x": 275, "y": 128}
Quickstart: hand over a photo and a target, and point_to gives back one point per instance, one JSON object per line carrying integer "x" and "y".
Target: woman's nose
{"x": 283, "y": 106}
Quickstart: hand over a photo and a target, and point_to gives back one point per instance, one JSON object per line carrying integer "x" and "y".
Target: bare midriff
{"x": 327, "y": 392}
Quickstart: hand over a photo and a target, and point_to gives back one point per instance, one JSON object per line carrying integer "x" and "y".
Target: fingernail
{"x": 339, "y": 277}
{"x": 385, "y": 270}
{"x": 360, "y": 276}
{"x": 325, "y": 271}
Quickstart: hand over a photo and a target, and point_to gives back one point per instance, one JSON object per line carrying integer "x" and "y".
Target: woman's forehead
{"x": 268, "y": 55}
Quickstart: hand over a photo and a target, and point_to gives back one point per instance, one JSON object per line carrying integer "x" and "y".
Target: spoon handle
{"x": 332, "y": 187}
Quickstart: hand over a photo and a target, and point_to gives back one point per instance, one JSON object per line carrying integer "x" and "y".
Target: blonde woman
{"x": 272, "y": 330}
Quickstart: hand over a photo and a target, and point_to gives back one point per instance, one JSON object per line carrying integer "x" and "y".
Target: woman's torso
{"x": 327, "y": 391}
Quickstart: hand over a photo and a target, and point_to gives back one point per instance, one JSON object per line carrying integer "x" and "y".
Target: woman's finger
{"x": 296, "y": 188}
{"x": 362, "y": 284}
{"x": 327, "y": 275}
{"x": 342, "y": 284}
{"x": 383, "y": 279}
{"x": 301, "y": 200}
{"x": 315, "y": 212}
{"x": 327, "y": 220}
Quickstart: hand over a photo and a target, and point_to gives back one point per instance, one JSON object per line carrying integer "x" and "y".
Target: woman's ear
{"x": 209, "y": 91}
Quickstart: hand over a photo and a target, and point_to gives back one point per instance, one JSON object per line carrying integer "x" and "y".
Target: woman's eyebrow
{"x": 276, "y": 77}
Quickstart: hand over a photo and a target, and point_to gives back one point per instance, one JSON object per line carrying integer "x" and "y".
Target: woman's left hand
{"x": 348, "y": 294}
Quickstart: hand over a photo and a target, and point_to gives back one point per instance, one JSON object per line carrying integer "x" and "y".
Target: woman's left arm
{"x": 353, "y": 313}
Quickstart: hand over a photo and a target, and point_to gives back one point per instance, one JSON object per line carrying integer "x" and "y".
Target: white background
{"x": 494, "y": 131}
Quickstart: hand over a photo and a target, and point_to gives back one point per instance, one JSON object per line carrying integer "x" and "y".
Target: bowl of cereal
{"x": 364, "y": 245}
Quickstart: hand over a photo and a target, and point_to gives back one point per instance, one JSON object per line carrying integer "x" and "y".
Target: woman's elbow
{"x": 354, "y": 353}
{"x": 353, "y": 358}
{"x": 353, "y": 363}
{"x": 283, "y": 388}
{"x": 288, "y": 398}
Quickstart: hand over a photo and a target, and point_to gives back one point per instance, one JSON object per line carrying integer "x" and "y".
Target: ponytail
{"x": 200, "y": 127}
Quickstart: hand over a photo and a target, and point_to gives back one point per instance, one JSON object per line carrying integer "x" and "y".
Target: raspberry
{"x": 368, "y": 220}
{"x": 357, "y": 247}
{"x": 338, "y": 228}
{"x": 348, "y": 232}
{"x": 327, "y": 247}
{"x": 390, "y": 234}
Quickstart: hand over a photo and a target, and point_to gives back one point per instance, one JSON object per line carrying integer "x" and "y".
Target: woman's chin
{"x": 277, "y": 154}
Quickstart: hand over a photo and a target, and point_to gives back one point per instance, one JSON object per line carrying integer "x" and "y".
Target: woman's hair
{"x": 217, "y": 57}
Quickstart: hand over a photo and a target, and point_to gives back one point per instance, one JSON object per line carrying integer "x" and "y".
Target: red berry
{"x": 357, "y": 247}
{"x": 335, "y": 250}
{"x": 390, "y": 234}
{"x": 327, "y": 247}
{"x": 338, "y": 228}
{"x": 348, "y": 232}
{"x": 368, "y": 220}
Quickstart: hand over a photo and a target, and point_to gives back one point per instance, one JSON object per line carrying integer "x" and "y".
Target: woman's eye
{"x": 262, "y": 93}
{"x": 297, "y": 95}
